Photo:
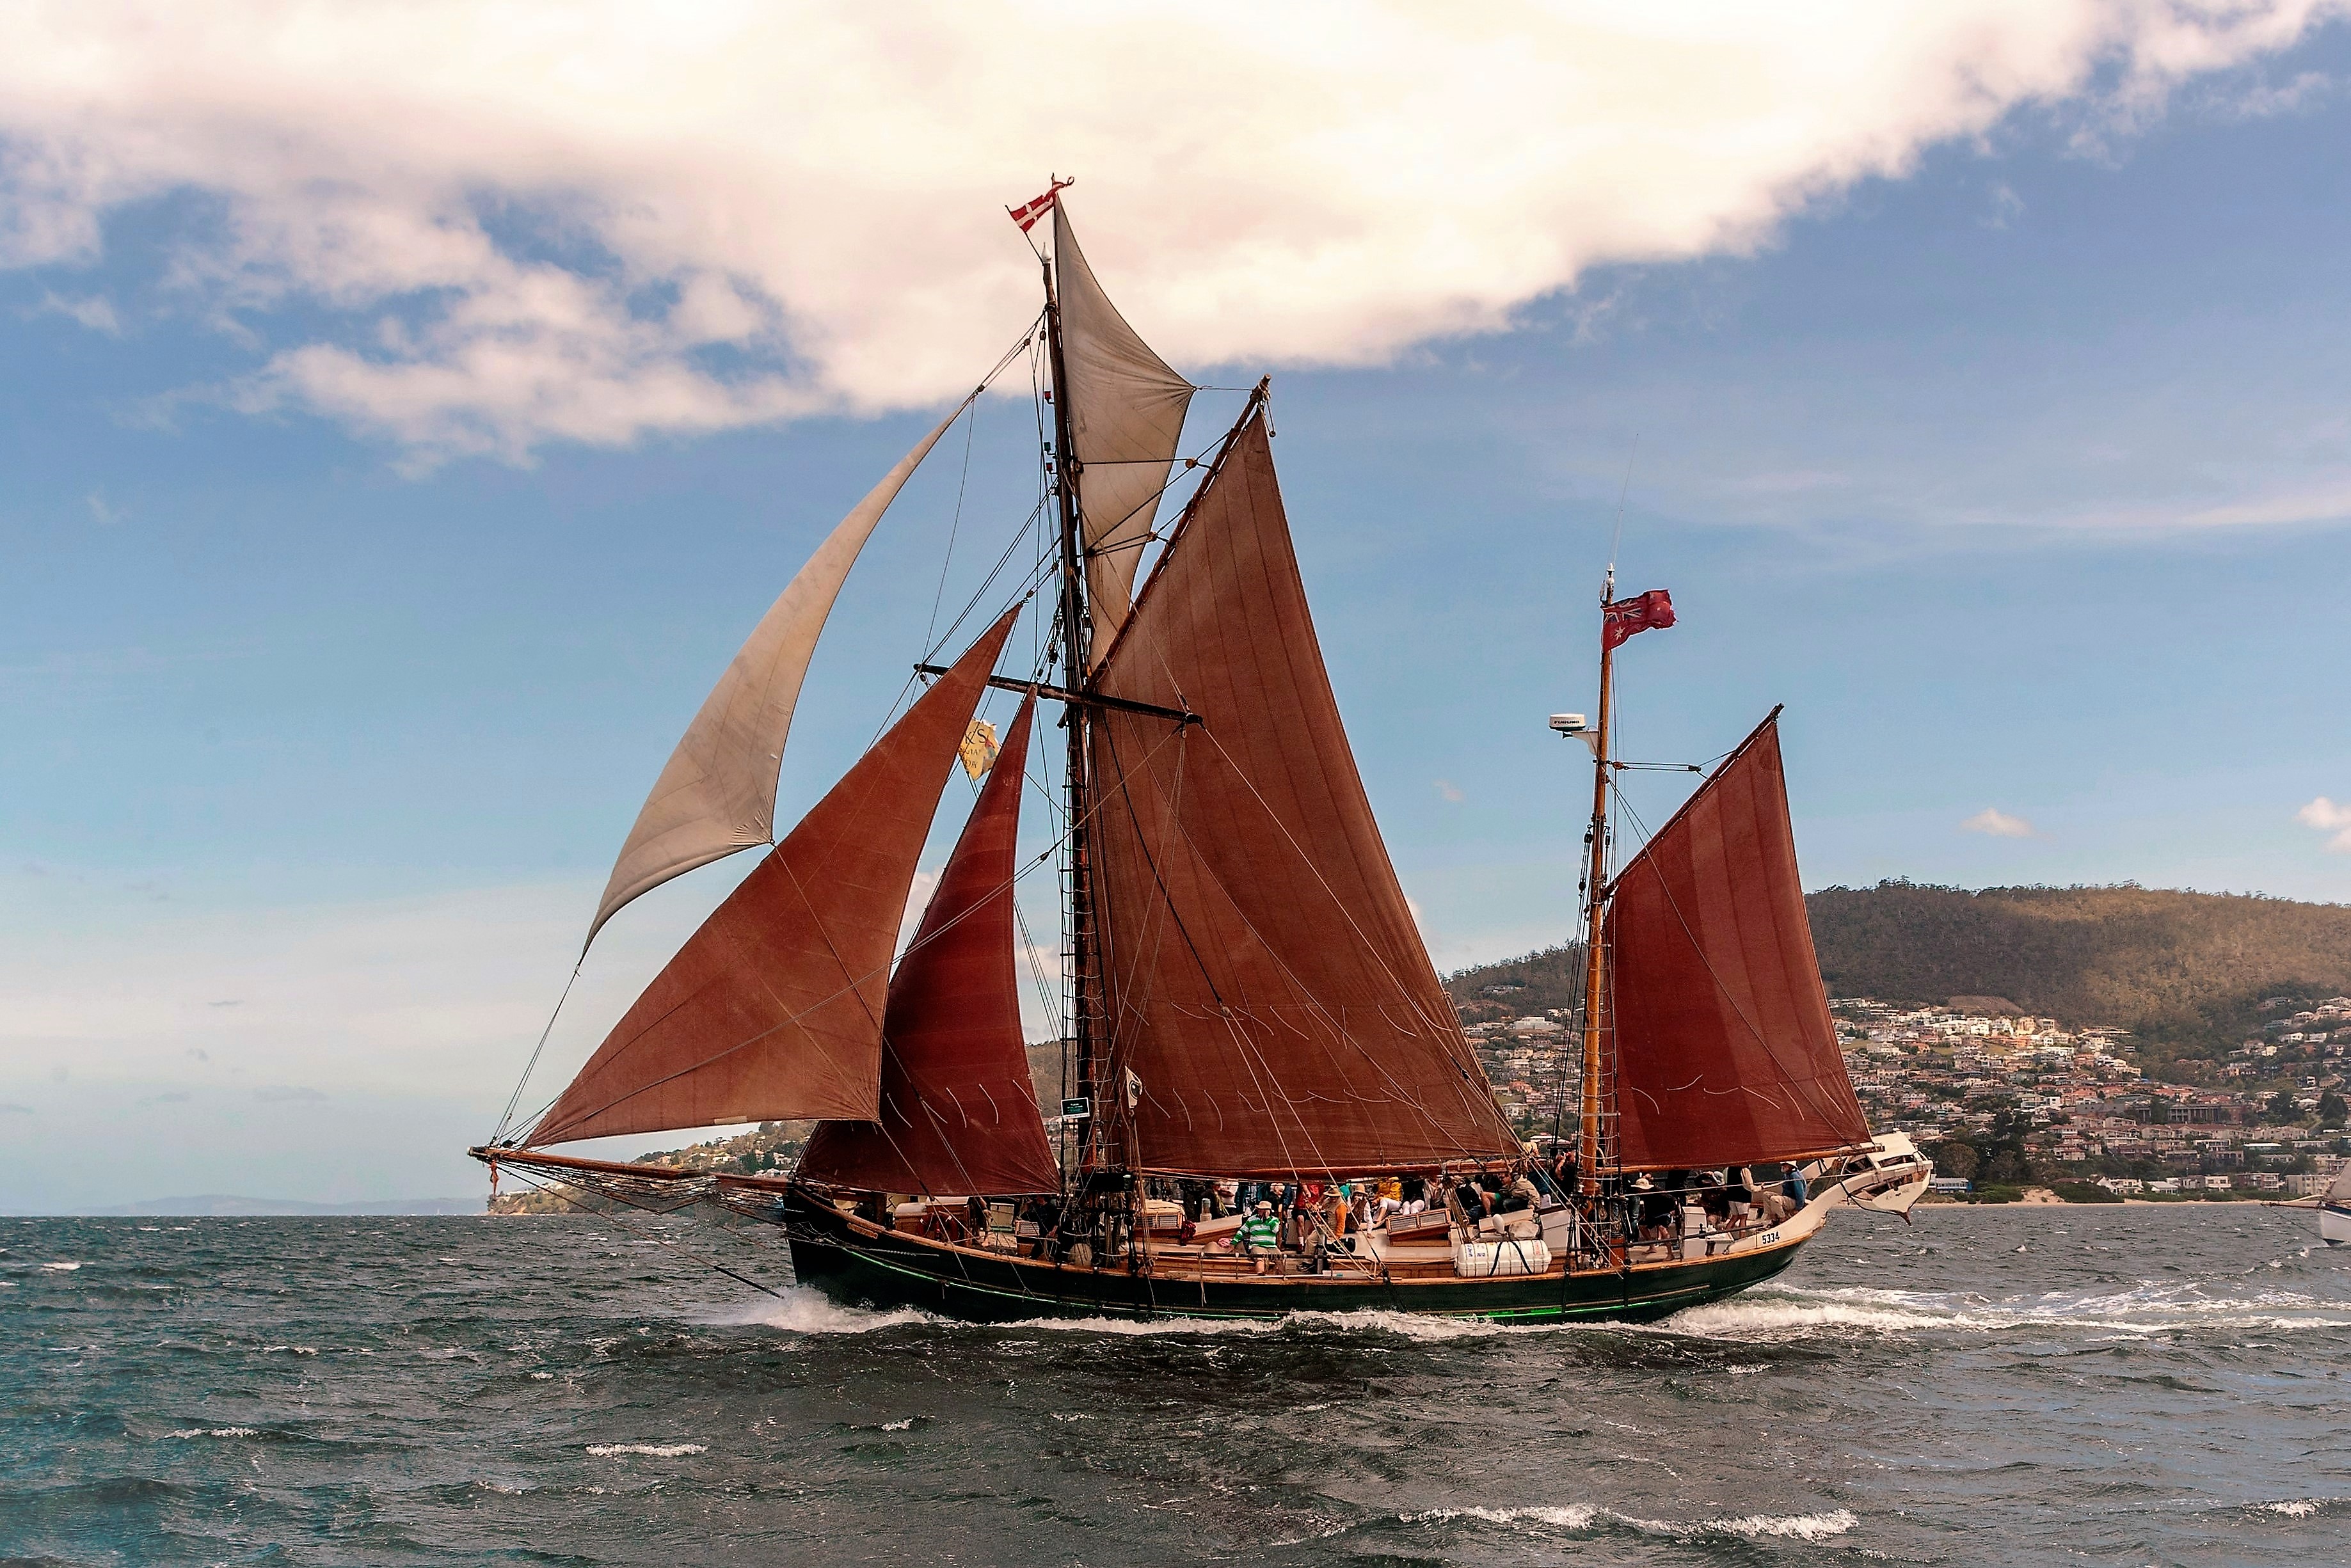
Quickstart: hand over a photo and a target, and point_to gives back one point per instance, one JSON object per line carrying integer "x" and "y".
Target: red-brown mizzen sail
{"x": 773, "y": 1008}
{"x": 958, "y": 1115}
{"x": 1267, "y": 987}
{"x": 1725, "y": 1052}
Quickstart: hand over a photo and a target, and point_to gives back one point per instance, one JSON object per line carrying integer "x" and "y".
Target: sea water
{"x": 2064, "y": 1384}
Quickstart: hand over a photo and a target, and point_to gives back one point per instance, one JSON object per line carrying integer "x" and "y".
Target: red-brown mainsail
{"x": 773, "y": 1008}
{"x": 958, "y": 1115}
{"x": 1268, "y": 988}
{"x": 1724, "y": 1050}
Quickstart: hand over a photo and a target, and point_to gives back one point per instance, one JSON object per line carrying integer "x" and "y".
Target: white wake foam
{"x": 62, "y": 1268}
{"x": 651, "y": 1450}
{"x": 1580, "y": 1516}
{"x": 800, "y": 1309}
{"x": 1405, "y": 1325}
{"x": 2151, "y": 1308}
{"x": 214, "y": 1432}
{"x": 2294, "y": 1507}
{"x": 1574, "y": 1516}
{"x": 1792, "y": 1527}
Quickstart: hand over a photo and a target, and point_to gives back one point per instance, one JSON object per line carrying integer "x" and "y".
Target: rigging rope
{"x": 505, "y": 1117}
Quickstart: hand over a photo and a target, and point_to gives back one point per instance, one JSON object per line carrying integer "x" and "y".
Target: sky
{"x": 408, "y": 409}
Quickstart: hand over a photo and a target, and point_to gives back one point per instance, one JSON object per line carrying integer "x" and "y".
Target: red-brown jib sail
{"x": 958, "y": 1115}
{"x": 1724, "y": 1050}
{"x": 1268, "y": 990}
{"x": 773, "y": 1008}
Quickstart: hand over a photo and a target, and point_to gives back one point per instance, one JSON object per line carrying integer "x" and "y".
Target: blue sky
{"x": 2020, "y": 476}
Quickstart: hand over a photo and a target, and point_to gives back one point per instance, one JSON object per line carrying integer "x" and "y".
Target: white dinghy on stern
{"x": 1885, "y": 1178}
{"x": 2334, "y": 1206}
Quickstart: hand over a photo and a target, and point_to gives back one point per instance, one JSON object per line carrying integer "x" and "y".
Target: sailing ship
{"x": 1268, "y": 1103}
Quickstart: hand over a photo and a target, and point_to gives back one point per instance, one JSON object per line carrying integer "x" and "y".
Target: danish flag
{"x": 1027, "y": 216}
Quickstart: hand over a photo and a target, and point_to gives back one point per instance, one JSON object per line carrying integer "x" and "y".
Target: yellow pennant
{"x": 979, "y": 749}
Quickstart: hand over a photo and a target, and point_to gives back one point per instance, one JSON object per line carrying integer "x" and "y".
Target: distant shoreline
{"x": 223, "y": 1206}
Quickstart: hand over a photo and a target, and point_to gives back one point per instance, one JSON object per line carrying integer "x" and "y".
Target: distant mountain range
{"x": 2185, "y": 972}
{"x": 214, "y": 1204}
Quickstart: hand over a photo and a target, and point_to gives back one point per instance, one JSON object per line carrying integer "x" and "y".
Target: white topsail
{"x": 717, "y": 793}
{"x": 1127, "y": 410}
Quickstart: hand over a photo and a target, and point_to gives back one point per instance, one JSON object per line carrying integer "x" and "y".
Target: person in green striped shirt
{"x": 1261, "y": 1233}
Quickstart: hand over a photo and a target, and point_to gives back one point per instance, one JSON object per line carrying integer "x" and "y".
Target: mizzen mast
{"x": 1595, "y": 839}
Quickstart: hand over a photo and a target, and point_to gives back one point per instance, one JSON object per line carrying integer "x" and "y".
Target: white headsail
{"x": 1127, "y": 414}
{"x": 717, "y": 793}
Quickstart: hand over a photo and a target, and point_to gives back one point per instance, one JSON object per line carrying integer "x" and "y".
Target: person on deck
{"x": 1564, "y": 1172}
{"x": 1539, "y": 1173}
{"x": 1047, "y": 1219}
{"x": 1261, "y": 1233}
{"x": 1520, "y": 1194}
{"x": 1772, "y": 1204}
{"x": 1466, "y": 1202}
{"x": 1658, "y": 1208}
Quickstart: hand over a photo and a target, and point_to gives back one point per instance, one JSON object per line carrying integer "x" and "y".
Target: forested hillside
{"x": 2184, "y": 972}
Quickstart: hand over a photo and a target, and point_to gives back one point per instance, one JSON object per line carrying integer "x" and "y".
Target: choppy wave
{"x": 803, "y": 1310}
{"x": 2147, "y": 1309}
{"x": 1402, "y": 1324}
{"x": 1580, "y": 1516}
{"x": 1967, "y": 1406}
{"x": 2300, "y": 1507}
{"x": 799, "y": 1309}
{"x": 1771, "y": 1315}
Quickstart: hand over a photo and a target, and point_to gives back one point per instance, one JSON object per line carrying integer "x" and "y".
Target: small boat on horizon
{"x": 1269, "y": 1104}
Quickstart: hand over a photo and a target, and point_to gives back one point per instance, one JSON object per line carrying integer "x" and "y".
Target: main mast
{"x": 1085, "y": 966}
{"x": 1595, "y": 951}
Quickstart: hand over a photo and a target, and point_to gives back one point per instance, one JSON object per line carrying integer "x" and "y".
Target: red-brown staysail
{"x": 1725, "y": 1052}
{"x": 773, "y": 1008}
{"x": 1268, "y": 990}
{"x": 958, "y": 1115}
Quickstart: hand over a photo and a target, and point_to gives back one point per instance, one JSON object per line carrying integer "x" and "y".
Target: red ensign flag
{"x": 1622, "y": 618}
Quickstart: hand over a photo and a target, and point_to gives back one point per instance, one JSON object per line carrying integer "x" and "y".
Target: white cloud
{"x": 1998, "y": 825}
{"x": 2328, "y": 817}
{"x": 94, "y": 313}
{"x": 529, "y": 223}
{"x": 1448, "y": 792}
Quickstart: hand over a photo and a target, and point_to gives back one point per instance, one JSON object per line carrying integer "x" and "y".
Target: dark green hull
{"x": 860, "y": 1266}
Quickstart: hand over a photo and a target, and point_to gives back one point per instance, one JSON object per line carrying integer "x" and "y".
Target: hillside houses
{"x": 2077, "y": 1099}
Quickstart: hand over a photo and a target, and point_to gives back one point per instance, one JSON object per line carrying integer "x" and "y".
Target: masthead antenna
{"x": 1617, "y": 535}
